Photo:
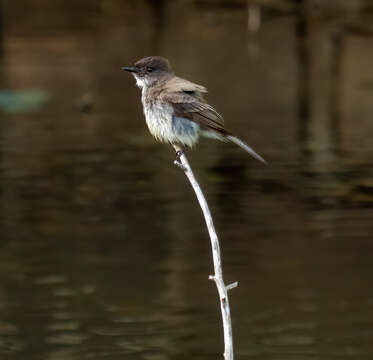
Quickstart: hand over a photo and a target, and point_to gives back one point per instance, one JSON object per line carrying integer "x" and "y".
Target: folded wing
{"x": 188, "y": 102}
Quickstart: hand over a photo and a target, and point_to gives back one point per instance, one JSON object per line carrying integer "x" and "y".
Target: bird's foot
{"x": 178, "y": 161}
{"x": 179, "y": 153}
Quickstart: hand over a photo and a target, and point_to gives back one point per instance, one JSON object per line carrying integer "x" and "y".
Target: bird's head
{"x": 149, "y": 70}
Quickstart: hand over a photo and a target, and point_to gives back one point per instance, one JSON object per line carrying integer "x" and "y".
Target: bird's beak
{"x": 133, "y": 69}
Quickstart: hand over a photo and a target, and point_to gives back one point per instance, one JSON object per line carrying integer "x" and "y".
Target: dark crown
{"x": 155, "y": 62}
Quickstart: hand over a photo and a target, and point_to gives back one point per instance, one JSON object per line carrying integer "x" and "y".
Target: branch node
{"x": 231, "y": 286}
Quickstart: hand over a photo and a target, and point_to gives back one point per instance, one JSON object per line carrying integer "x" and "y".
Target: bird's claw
{"x": 179, "y": 153}
{"x": 178, "y": 161}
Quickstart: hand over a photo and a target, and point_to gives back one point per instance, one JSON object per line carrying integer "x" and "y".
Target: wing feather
{"x": 188, "y": 102}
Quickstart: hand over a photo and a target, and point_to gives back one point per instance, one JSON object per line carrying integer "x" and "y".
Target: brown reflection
{"x": 319, "y": 82}
{"x": 253, "y": 26}
{"x": 324, "y": 85}
{"x": 1, "y": 31}
{"x": 319, "y": 64}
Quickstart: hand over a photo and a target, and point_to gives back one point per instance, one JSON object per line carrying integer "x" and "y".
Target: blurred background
{"x": 103, "y": 249}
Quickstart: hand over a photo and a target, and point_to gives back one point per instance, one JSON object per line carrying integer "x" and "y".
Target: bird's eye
{"x": 149, "y": 69}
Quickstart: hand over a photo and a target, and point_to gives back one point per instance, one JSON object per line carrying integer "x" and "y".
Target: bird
{"x": 175, "y": 109}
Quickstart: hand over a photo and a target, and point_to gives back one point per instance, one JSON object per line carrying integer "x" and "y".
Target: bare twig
{"x": 183, "y": 163}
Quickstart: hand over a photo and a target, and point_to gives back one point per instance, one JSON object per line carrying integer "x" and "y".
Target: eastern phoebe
{"x": 175, "y": 110}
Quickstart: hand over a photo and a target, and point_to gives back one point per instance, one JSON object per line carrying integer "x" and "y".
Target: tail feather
{"x": 246, "y": 147}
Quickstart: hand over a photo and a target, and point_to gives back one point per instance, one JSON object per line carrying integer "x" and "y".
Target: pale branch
{"x": 182, "y": 162}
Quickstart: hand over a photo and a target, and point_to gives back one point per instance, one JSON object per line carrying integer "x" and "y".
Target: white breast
{"x": 159, "y": 117}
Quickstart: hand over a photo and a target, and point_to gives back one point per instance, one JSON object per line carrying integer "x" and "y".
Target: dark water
{"x": 103, "y": 250}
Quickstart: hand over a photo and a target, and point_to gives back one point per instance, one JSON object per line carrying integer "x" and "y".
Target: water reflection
{"x": 104, "y": 254}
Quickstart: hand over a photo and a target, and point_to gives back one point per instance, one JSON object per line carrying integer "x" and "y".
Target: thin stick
{"x": 183, "y": 163}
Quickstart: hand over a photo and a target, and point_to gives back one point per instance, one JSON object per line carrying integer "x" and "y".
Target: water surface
{"x": 104, "y": 253}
